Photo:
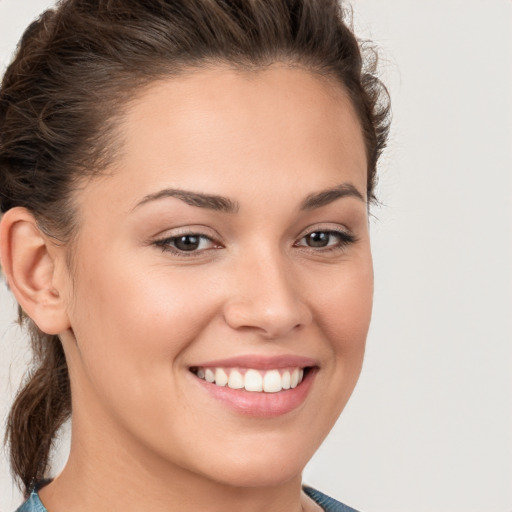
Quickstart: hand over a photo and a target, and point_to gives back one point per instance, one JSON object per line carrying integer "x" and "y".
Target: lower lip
{"x": 261, "y": 404}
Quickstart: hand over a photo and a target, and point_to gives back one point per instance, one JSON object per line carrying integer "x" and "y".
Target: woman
{"x": 185, "y": 192}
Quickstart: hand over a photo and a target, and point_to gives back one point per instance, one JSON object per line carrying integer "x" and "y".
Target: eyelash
{"x": 165, "y": 244}
{"x": 344, "y": 240}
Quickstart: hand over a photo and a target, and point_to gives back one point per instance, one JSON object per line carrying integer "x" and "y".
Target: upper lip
{"x": 259, "y": 362}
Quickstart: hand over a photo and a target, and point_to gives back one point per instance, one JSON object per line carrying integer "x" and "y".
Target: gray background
{"x": 430, "y": 424}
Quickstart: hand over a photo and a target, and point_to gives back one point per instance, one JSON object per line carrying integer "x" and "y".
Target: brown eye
{"x": 318, "y": 239}
{"x": 187, "y": 242}
{"x": 329, "y": 239}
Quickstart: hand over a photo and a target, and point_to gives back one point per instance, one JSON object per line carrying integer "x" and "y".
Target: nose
{"x": 266, "y": 297}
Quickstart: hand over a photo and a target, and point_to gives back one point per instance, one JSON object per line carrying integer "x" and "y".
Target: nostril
{"x": 272, "y": 319}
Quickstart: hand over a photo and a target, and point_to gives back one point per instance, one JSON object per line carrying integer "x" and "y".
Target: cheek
{"x": 344, "y": 306}
{"x": 129, "y": 323}
{"x": 132, "y": 331}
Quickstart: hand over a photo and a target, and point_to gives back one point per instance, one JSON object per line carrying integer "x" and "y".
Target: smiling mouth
{"x": 253, "y": 380}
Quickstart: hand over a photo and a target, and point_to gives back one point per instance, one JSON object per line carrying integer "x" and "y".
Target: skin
{"x": 133, "y": 317}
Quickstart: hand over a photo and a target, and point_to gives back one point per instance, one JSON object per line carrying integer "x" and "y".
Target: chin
{"x": 260, "y": 464}
{"x": 271, "y": 472}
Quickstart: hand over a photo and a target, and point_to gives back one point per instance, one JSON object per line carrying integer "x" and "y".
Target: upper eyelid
{"x": 187, "y": 230}
{"x": 166, "y": 234}
{"x": 331, "y": 231}
{"x": 322, "y": 228}
{"x": 213, "y": 235}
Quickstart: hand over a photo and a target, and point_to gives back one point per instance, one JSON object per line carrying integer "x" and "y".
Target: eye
{"x": 186, "y": 243}
{"x": 326, "y": 239}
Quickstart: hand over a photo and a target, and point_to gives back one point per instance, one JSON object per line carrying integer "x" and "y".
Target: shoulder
{"x": 328, "y": 504}
{"x": 33, "y": 504}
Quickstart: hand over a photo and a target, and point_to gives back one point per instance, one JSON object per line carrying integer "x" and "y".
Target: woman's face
{"x": 230, "y": 242}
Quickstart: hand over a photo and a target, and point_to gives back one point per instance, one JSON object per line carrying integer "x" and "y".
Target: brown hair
{"x": 77, "y": 67}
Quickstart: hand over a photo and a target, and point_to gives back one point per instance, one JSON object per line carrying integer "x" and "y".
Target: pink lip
{"x": 260, "y": 362}
{"x": 260, "y": 404}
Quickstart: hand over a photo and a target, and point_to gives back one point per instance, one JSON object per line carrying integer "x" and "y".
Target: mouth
{"x": 257, "y": 386}
{"x": 253, "y": 380}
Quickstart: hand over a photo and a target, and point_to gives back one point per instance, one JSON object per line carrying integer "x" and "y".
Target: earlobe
{"x": 29, "y": 266}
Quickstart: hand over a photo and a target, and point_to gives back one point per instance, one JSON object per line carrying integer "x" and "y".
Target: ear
{"x": 30, "y": 261}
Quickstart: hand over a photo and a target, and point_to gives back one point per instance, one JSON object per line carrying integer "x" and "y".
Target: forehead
{"x": 228, "y": 128}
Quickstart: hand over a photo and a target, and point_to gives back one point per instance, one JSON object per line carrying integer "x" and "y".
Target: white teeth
{"x": 253, "y": 381}
{"x": 272, "y": 382}
{"x": 236, "y": 380}
{"x": 286, "y": 379}
{"x": 221, "y": 377}
{"x": 269, "y": 381}
{"x": 294, "y": 378}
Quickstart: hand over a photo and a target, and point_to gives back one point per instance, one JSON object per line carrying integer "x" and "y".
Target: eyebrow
{"x": 209, "y": 201}
{"x": 227, "y": 205}
{"x": 323, "y": 198}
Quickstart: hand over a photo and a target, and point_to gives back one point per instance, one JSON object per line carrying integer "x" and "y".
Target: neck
{"x": 104, "y": 476}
